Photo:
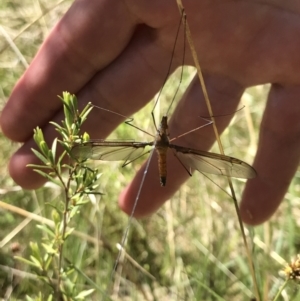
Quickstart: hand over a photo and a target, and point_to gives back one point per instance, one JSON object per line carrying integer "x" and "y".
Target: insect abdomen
{"x": 162, "y": 165}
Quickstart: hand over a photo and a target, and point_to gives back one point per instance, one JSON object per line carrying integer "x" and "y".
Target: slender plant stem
{"x": 64, "y": 226}
{"x": 209, "y": 107}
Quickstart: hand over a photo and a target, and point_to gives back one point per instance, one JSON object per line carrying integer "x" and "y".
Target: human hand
{"x": 116, "y": 53}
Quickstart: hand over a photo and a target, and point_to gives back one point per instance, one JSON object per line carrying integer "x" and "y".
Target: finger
{"x": 224, "y": 95}
{"x": 124, "y": 86}
{"x": 76, "y": 49}
{"x": 277, "y": 156}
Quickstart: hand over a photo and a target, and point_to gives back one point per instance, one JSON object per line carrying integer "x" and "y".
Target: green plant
{"x": 47, "y": 257}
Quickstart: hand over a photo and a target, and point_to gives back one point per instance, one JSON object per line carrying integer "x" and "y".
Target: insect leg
{"x": 128, "y": 162}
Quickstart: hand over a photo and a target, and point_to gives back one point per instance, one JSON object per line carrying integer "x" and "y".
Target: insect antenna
{"x": 183, "y": 17}
{"x": 142, "y": 155}
{"x": 182, "y": 20}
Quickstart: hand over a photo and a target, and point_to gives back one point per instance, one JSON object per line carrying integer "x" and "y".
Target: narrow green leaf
{"x": 36, "y": 251}
{"x": 53, "y": 148}
{"x": 56, "y": 217}
{"x": 47, "y": 176}
{"x": 44, "y": 148}
{"x": 26, "y": 261}
{"x": 66, "y": 145}
{"x": 67, "y": 112}
{"x": 49, "y": 249}
{"x": 83, "y": 294}
{"x": 48, "y": 262}
{"x": 61, "y": 157}
{"x": 38, "y": 166}
{"x": 58, "y": 126}
{"x": 50, "y": 298}
{"x": 88, "y": 279}
{"x": 36, "y": 262}
{"x": 51, "y": 158}
{"x": 84, "y": 115}
{"x": 40, "y": 156}
{"x": 86, "y": 110}
{"x": 45, "y": 229}
{"x": 70, "y": 271}
{"x": 83, "y": 200}
{"x": 38, "y": 135}
{"x": 96, "y": 193}
{"x": 69, "y": 232}
{"x": 67, "y": 166}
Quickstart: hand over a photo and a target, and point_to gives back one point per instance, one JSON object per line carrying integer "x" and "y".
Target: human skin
{"x": 115, "y": 54}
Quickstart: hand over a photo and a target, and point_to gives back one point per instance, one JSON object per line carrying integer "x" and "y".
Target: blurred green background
{"x": 191, "y": 249}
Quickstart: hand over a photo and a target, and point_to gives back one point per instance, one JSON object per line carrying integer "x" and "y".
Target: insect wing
{"x": 109, "y": 150}
{"x": 213, "y": 163}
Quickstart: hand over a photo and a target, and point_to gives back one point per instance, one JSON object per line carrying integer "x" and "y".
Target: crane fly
{"x": 191, "y": 159}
